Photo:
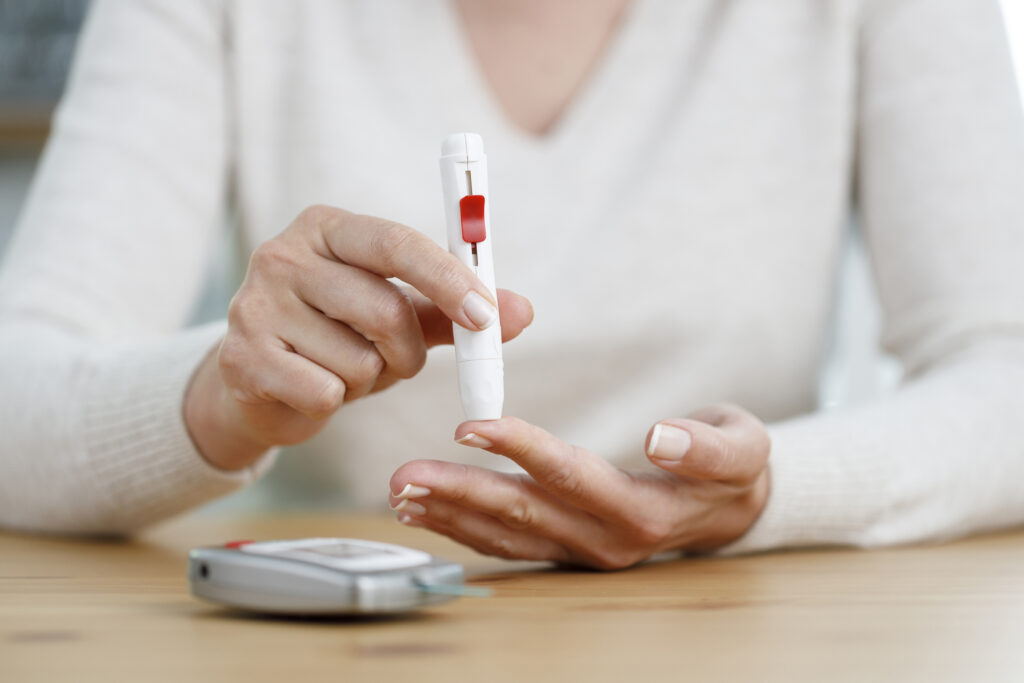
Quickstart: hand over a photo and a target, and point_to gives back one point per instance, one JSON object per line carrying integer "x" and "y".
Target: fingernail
{"x": 668, "y": 442}
{"x": 474, "y": 440}
{"x": 408, "y": 521}
{"x": 412, "y": 491}
{"x": 410, "y": 508}
{"x": 479, "y": 310}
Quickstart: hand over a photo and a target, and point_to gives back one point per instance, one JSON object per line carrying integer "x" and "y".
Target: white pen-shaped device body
{"x": 467, "y": 211}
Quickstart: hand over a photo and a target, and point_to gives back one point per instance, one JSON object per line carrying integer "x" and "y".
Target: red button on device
{"x": 472, "y": 209}
{"x": 237, "y": 544}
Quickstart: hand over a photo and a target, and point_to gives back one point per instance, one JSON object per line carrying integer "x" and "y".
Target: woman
{"x": 671, "y": 182}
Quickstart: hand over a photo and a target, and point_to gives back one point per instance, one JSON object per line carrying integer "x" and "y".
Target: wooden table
{"x": 105, "y": 611}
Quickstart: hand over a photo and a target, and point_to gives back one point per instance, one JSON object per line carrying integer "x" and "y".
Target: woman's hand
{"x": 316, "y": 323}
{"x": 573, "y": 507}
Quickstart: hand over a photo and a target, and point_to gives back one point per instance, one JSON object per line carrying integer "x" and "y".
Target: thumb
{"x": 723, "y": 443}
{"x": 515, "y": 312}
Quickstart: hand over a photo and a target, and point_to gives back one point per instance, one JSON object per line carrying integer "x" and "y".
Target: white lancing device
{"x": 467, "y": 211}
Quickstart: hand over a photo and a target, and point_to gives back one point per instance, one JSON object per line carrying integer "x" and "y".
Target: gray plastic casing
{"x": 282, "y": 585}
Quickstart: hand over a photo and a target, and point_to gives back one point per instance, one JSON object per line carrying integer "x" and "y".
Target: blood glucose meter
{"x": 323, "y": 576}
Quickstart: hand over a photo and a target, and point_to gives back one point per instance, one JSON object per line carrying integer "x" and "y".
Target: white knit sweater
{"x": 678, "y": 233}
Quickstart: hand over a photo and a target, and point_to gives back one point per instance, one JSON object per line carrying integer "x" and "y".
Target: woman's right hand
{"x": 316, "y": 324}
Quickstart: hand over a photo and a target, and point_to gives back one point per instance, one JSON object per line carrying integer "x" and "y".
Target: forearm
{"x": 943, "y": 457}
{"x": 95, "y": 440}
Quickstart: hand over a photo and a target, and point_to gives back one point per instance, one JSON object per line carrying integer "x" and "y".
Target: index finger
{"x": 573, "y": 474}
{"x": 391, "y": 249}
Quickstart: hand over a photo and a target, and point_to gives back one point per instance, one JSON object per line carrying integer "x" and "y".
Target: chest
{"x": 697, "y": 185}
{"x": 535, "y": 56}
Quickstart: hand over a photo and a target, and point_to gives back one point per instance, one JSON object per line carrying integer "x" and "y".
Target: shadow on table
{"x": 228, "y": 614}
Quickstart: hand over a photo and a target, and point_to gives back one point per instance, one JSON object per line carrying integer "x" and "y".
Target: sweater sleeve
{"x": 940, "y": 178}
{"x": 102, "y": 273}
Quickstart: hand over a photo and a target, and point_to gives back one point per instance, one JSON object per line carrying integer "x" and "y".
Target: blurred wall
{"x": 37, "y": 39}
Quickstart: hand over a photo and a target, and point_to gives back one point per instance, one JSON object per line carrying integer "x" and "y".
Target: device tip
{"x": 467, "y": 145}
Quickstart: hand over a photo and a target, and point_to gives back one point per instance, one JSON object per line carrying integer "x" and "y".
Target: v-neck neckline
{"x": 580, "y": 112}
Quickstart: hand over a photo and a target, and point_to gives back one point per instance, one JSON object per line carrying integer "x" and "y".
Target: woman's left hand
{"x": 574, "y": 507}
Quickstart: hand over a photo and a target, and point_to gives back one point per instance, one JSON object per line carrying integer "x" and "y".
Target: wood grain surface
{"x": 76, "y": 610}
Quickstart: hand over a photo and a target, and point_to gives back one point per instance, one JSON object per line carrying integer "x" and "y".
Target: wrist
{"x": 212, "y": 421}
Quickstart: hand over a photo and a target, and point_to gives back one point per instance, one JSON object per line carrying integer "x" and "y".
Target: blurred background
{"x": 37, "y": 39}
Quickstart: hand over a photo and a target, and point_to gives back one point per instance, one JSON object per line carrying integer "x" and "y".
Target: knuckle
{"x": 246, "y": 309}
{"x": 233, "y": 357}
{"x": 318, "y": 218}
{"x": 394, "y": 314}
{"x": 459, "y": 490}
{"x": 392, "y": 239}
{"x": 728, "y": 460}
{"x": 566, "y": 479}
{"x": 448, "y": 272}
{"x": 328, "y": 399}
{"x": 317, "y": 221}
{"x": 649, "y": 531}
{"x": 519, "y": 515}
{"x": 416, "y": 362}
{"x": 314, "y": 214}
{"x": 273, "y": 259}
{"x": 723, "y": 456}
{"x": 368, "y": 367}
{"x": 517, "y": 424}
{"x": 518, "y": 449}
{"x": 523, "y": 445}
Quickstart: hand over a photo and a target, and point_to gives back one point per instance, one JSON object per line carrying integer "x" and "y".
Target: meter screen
{"x": 346, "y": 554}
{"x": 345, "y": 550}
